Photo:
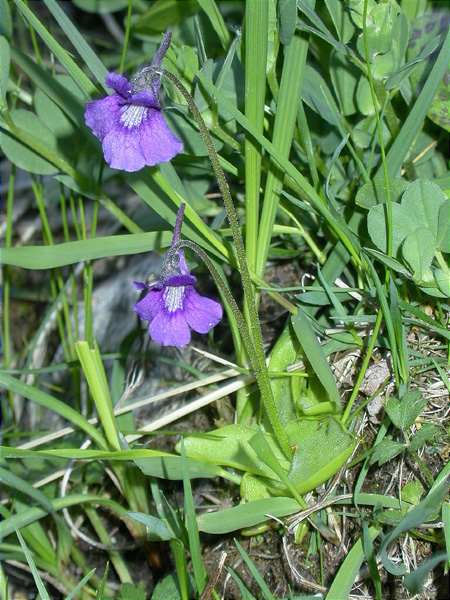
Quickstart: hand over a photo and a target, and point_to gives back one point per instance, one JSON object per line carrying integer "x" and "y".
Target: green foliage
{"x": 326, "y": 153}
{"x": 404, "y": 412}
{"x": 420, "y": 232}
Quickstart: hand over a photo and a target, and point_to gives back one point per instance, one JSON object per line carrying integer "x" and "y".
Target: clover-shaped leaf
{"x": 418, "y": 250}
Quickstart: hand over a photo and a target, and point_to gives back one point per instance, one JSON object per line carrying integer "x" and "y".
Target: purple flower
{"x": 129, "y": 123}
{"x": 172, "y": 306}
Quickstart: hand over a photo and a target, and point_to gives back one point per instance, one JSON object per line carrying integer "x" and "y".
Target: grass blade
{"x": 55, "y": 47}
{"x": 285, "y": 118}
{"x": 91, "y": 59}
{"x": 37, "y": 578}
{"x": 256, "y": 39}
{"x": 345, "y": 578}
{"x": 44, "y": 399}
{"x": 192, "y": 527}
{"x": 316, "y": 356}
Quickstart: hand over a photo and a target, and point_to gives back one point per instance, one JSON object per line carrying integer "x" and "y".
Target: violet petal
{"x": 119, "y": 84}
{"x": 102, "y": 115}
{"x": 170, "y": 329}
{"x": 158, "y": 143}
{"x": 121, "y": 148}
{"x": 201, "y": 313}
{"x": 145, "y": 98}
{"x": 149, "y": 306}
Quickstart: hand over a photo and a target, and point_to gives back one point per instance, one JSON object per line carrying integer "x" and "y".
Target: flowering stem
{"x": 178, "y": 224}
{"x": 221, "y": 284}
{"x": 255, "y": 341}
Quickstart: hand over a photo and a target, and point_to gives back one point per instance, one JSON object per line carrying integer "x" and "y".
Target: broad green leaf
{"x": 4, "y": 67}
{"x": 166, "y": 589}
{"x": 418, "y": 251}
{"x": 404, "y": 412}
{"x": 442, "y": 279}
{"x": 341, "y": 20}
{"x": 428, "y": 433}
{"x": 285, "y": 389}
{"x": 392, "y": 263}
{"x": 22, "y": 156}
{"x": 59, "y": 124}
{"x": 344, "y": 76}
{"x": 227, "y": 446}
{"x": 386, "y": 450}
{"x": 321, "y": 448}
{"x": 58, "y": 255}
{"x": 373, "y": 193}
{"x": 316, "y": 94}
{"x": 170, "y": 467}
{"x": 443, "y": 230}
{"x": 422, "y": 201}
{"x": 316, "y": 356}
{"x": 402, "y": 222}
{"x": 245, "y": 515}
{"x": 60, "y": 88}
{"x": 414, "y": 121}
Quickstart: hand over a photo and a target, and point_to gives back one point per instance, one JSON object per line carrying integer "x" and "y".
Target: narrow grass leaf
{"x": 59, "y": 255}
{"x": 31, "y": 515}
{"x": 14, "y": 482}
{"x": 37, "y": 578}
{"x": 256, "y": 41}
{"x": 316, "y": 356}
{"x": 414, "y": 121}
{"x": 192, "y": 527}
{"x": 213, "y": 13}
{"x": 428, "y": 508}
{"x": 52, "y": 403}
{"x": 349, "y": 569}
{"x": 414, "y": 581}
{"x": 77, "y": 589}
{"x": 94, "y": 372}
{"x": 91, "y": 59}
{"x": 265, "y": 592}
{"x": 446, "y": 521}
{"x": 5, "y": 56}
{"x": 285, "y": 117}
{"x": 55, "y": 47}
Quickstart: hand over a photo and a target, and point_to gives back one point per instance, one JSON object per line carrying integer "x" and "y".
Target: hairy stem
{"x": 256, "y": 348}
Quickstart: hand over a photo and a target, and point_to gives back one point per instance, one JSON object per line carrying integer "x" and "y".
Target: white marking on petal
{"x": 132, "y": 115}
{"x": 173, "y": 297}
